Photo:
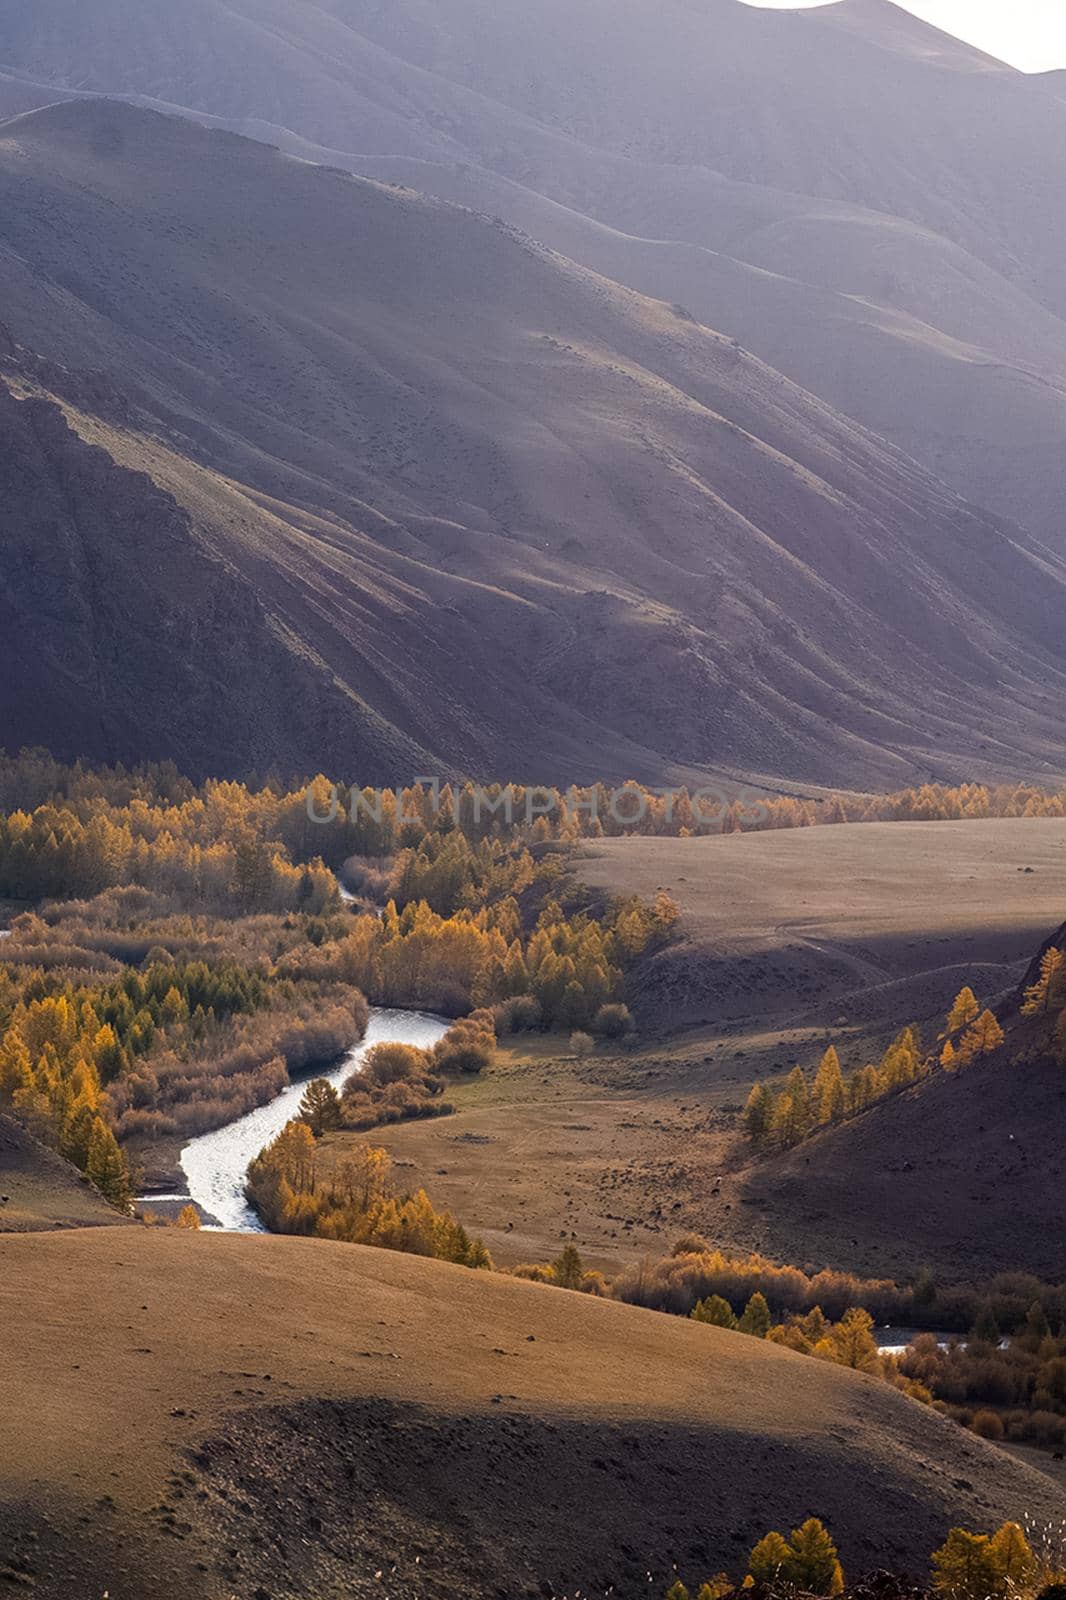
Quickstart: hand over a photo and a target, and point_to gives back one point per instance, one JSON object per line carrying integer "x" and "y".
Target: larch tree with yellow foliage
{"x": 965, "y": 1009}
{"x": 1049, "y": 988}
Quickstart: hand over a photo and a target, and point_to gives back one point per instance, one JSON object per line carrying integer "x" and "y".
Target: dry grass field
{"x": 189, "y": 1416}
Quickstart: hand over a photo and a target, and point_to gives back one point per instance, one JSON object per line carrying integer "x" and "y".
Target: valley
{"x": 532, "y": 803}
{"x": 788, "y": 942}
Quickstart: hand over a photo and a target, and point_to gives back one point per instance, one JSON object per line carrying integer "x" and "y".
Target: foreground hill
{"x": 302, "y": 1417}
{"x": 474, "y": 504}
{"x": 965, "y": 1170}
{"x": 751, "y": 164}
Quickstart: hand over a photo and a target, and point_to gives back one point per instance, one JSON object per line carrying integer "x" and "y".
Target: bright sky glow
{"x": 1030, "y": 34}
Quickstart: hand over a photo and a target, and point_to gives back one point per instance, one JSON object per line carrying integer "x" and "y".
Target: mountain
{"x": 969, "y": 1161}
{"x": 423, "y": 490}
{"x": 907, "y": 267}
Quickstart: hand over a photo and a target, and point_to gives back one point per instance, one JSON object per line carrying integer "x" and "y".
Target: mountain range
{"x": 577, "y": 391}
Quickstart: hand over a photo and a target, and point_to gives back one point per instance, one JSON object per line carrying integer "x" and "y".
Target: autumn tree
{"x": 756, "y": 1319}
{"x": 964, "y": 1010}
{"x": 714, "y": 1310}
{"x": 814, "y": 1566}
{"x": 320, "y": 1107}
{"x": 964, "y": 1567}
{"x": 808, "y": 1561}
{"x": 771, "y": 1560}
{"x": 106, "y": 1166}
{"x": 1048, "y": 988}
{"x": 758, "y": 1114}
{"x": 189, "y": 1218}
{"x": 828, "y": 1093}
{"x": 568, "y": 1269}
{"x": 981, "y": 1039}
{"x": 1013, "y": 1557}
{"x": 850, "y": 1343}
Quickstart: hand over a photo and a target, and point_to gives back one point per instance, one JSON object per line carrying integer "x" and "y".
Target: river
{"x": 215, "y": 1164}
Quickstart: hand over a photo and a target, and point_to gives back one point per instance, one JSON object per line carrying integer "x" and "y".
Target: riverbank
{"x": 212, "y": 1166}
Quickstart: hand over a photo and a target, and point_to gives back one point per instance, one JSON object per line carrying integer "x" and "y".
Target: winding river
{"x": 215, "y": 1164}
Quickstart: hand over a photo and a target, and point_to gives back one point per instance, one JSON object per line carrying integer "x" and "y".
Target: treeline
{"x": 356, "y": 1201}
{"x": 568, "y": 972}
{"x": 1002, "y": 1373}
{"x": 53, "y": 852}
{"x": 151, "y": 824}
{"x": 1011, "y": 1388}
{"x": 778, "y": 1116}
{"x": 967, "y": 1566}
{"x": 694, "y": 1271}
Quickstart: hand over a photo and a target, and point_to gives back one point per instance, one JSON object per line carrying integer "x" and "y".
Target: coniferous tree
{"x": 1041, "y": 995}
{"x": 828, "y": 1094}
{"x": 715, "y": 1311}
{"x": 106, "y": 1166}
{"x": 568, "y": 1269}
{"x": 964, "y": 1567}
{"x": 1013, "y": 1556}
{"x": 964, "y": 1010}
{"x": 770, "y": 1561}
{"x": 814, "y": 1566}
{"x": 756, "y": 1319}
{"x": 320, "y": 1107}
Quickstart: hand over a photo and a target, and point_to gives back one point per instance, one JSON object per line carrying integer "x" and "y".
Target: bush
{"x": 582, "y": 1044}
{"x": 522, "y": 1014}
{"x": 391, "y": 1063}
{"x": 469, "y": 1046}
{"x": 987, "y": 1425}
{"x": 612, "y": 1021}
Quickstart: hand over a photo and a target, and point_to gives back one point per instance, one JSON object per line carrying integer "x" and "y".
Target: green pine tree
{"x": 106, "y": 1167}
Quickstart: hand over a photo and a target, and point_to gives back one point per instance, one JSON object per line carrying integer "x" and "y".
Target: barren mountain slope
{"x": 773, "y": 138}
{"x": 307, "y": 1418}
{"x": 536, "y": 523}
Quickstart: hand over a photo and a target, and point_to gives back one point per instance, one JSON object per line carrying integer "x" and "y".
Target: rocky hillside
{"x": 422, "y": 491}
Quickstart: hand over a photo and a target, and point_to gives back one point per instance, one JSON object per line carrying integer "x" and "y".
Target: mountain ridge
{"x": 509, "y": 493}
{"x": 770, "y": 137}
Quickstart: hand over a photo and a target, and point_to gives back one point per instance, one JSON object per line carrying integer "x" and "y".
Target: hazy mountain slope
{"x": 773, "y": 137}
{"x": 987, "y": 417}
{"x": 531, "y": 519}
{"x": 971, "y": 1160}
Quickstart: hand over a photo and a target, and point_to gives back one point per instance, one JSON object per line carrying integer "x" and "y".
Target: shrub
{"x": 612, "y": 1021}
{"x": 987, "y": 1425}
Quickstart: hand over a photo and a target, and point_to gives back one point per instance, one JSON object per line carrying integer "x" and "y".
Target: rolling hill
{"x": 752, "y": 164}
{"x": 419, "y": 490}
{"x": 965, "y": 1170}
{"x": 315, "y": 1419}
